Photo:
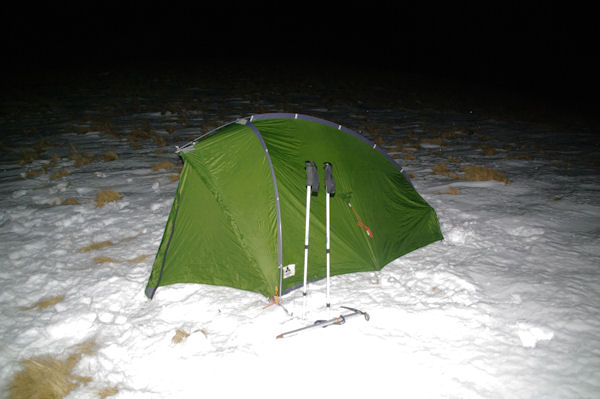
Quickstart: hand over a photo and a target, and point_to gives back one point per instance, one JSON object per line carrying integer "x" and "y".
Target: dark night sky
{"x": 536, "y": 48}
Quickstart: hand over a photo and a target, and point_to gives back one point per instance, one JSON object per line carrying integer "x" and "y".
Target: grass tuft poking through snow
{"x": 166, "y": 165}
{"x": 470, "y": 172}
{"x": 105, "y": 196}
{"x": 480, "y": 173}
{"x": 138, "y": 259}
{"x": 450, "y": 190}
{"x": 104, "y": 259}
{"x": 108, "y": 391}
{"x": 48, "y": 377}
{"x": 59, "y": 174}
{"x": 179, "y": 336}
{"x": 95, "y": 246}
{"x": 110, "y": 156}
{"x": 45, "y": 303}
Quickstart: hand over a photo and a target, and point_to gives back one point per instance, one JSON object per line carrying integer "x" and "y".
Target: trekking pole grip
{"x": 312, "y": 176}
{"x": 329, "y": 180}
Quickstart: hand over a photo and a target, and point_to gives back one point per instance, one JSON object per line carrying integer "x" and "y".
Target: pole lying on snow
{"x": 341, "y": 319}
{"x": 329, "y": 189}
{"x": 312, "y": 186}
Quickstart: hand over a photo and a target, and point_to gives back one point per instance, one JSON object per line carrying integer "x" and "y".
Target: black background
{"x": 539, "y": 50}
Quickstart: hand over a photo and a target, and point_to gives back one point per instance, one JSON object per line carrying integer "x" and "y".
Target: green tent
{"x": 238, "y": 217}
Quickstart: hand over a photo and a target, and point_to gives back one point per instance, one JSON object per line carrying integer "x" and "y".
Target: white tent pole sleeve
{"x": 308, "y": 190}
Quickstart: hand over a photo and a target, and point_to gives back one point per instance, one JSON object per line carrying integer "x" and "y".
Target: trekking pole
{"x": 341, "y": 319}
{"x": 312, "y": 185}
{"x": 329, "y": 189}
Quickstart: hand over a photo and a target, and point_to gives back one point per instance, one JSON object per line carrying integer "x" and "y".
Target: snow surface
{"x": 506, "y": 306}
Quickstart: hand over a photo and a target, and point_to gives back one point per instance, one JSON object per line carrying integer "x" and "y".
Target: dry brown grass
{"x": 28, "y": 156}
{"x": 105, "y": 196}
{"x": 44, "y": 303}
{"x": 379, "y": 141}
{"x": 53, "y": 162}
{"x": 109, "y": 156}
{"x": 138, "y": 259}
{"x": 470, "y": 172}
{"x": 166, "y": 165}
{"x": 42, "y": 145}
{"x": 61, "y": 173}
{"x": 104, "y": 259}
{"x": 108, "y": 391}
{"x": 105, "y": 127}
{"x": 160, "y": 141}
{"x": 162, "y": 151}
{"x": 179, "y": 336}
{"x": 480, "y": 173}
{"x": 450, "y": 190}
{"x": 376, "y": 129}
{"x": 83, "y": 160}
{"x": 47, "y": 377}
{"x": 487, "y": 150}
{"x": 127, "y": 239}
{"x": 70, "y": 201}
{"x": 453, "y": 133}
{"x": 34, "y": 173}
{"x": 526, "y": 157}
{"x": 441, "y": 169}
{"x": 95, "y": 245}
{"x": 436, "y": 140}
{"x": 141, "y": 131}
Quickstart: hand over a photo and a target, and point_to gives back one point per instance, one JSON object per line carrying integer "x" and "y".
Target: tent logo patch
{"x": 289, "y": 271}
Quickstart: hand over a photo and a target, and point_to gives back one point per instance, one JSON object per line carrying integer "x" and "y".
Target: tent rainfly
{"x": 239, "y": 214}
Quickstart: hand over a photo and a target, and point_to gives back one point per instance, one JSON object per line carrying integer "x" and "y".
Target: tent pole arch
{"x": 284, "y": 115}
{"x": 277, "y": 204}
{"x": 288, "y": 115}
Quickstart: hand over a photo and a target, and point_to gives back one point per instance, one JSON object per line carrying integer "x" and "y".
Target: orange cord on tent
{"x": 360, "y": 222}
{"x": 273, "y": 300}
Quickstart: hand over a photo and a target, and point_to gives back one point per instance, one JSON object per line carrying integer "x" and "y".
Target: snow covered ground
{"x": 506, "y": 306}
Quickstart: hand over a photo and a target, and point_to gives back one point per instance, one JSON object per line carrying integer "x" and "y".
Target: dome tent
{"x": 238, "y": 216}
